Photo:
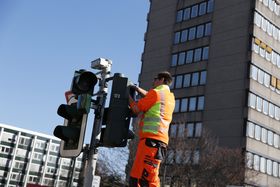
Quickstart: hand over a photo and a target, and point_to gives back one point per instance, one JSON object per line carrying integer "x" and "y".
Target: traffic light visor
{"x": 66, "y": 133}
{"x": 69, "y": 112}
{"x": 86, "y": 81}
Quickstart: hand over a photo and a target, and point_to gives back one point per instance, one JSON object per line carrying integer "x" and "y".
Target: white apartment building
{"x": 28, "y": 157}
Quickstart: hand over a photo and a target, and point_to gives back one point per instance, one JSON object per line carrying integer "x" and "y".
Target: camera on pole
{"x": 75, "y": 113}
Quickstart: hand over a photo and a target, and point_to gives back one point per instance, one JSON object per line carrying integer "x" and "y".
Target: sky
{"x": 42, "y": 43}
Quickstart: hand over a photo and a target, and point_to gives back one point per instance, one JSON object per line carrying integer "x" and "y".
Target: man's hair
{"x": 166, "y": 76}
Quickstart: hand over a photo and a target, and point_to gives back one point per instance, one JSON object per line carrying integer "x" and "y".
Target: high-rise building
{"x": 29, "y": 158}
{"x": 224, "y": 56}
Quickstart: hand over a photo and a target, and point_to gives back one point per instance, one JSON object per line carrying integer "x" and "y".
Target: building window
{"x": 275, "y": 169}
{"x": 177, "y": 105}
{"x": 259, "y": 104}
{"x": 194, "y": 11}
{"x": 200, "y": 105}
{"x": 187, "y": 80}
{"x": 181, "y": 60}
{"x": 262, "y": 164}
{"x": 252, "y": 100}
{"x": 208, "y": 29}
{"x": 172, "y": 84}
{"x": 198, "y": 129}
{"x": 174, "y": 60}
{"x": 256, "y": 163}
{"x": 205, "y": 54}
{"x": 173, "y": 130}
{"x": 190, "y": 129}
{"x": 250, "y": 129}
{"x": 181, "y": 130}
{"x": 195, "y": 79}
{"x": 179, "y": 16}
{"x": 196, "y": 156}
{"x": 170, "y": 157}
{"x": 197, "y": 54}
{"x": 177, "y": 37}
{"x": 192, "y": 105}
{"x": 189, "y": 58}
{"x": 257, "y": 132}
{"x": 190, "y": 79}
{"x": 179, "y": 81}
{"x": 202, "y": 80}
{"x": 202, "y": 8}
{"x": 265, "y": 107}
{"x": 187, "y": 14}
{"x": 276, "y": 140}
{"x": 199, "y": 32}
{"x": 271, "y": 110}
{"x": 264, "y": 135}
{"x": 192, "y": 33}
{"x": 266, "y": 25}
{"x": 249, "y": 160}
{"x": 184, "y": 105}
{"x": 184, "y": 36}
{"x": 270, "y": 138}
{"x": 210, "y": 6}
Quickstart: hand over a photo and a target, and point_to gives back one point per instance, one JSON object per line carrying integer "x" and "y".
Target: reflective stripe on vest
{"x": 153, "y": 119}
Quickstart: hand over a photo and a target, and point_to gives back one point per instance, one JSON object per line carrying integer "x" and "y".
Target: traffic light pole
{"x": 97, "y": 124}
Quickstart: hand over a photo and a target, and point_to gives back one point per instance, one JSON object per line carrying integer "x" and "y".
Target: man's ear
{"x": 161, "y": 80}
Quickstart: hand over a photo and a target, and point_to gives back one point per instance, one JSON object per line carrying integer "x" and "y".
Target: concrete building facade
{"x": 224, "y": 57}
{"x": 28, "y": 157}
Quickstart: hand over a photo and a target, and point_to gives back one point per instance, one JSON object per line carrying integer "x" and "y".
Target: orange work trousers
{"x": 145, "y": 169}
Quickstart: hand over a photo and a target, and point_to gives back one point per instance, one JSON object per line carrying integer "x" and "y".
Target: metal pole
{"x": 96, "y": 131}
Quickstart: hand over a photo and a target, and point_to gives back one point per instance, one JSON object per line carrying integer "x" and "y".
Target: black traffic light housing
{"x": 117, "y": 116}
{"x": 83, "y": 82}
{"x": 75, "y": 114}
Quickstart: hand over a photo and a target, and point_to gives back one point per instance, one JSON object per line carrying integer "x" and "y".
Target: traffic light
{"x": 83, "y": 82}
{"x": 75, "y": 114}
{"x": 117, "y": 116}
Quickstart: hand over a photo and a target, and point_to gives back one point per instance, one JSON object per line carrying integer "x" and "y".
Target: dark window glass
{"x": 187, "y": 80}
{"x": 205, "y": 53}
{"x": 179, "y": 81}
{"x": 202, "y": 79}
{"x": 208, "y": 29}
{"x": 192, "y": 104}
{"x": 177, "y": 37}
{"x": 202, "y": 9}
{"x": 194, "y": 11}
{"x": 189, "y": 58}
{"x": 174, "y": 60}
{"x": 195, "y": 79}
{"x": 200, "y": 31}
{"x": 179, "y": 16}
{"x": 181, "y": 58}
{"x": 200, "y": 103}
{"x": 190, "y": 129}
{"x": 184, "y": 35}
{"x": 184, "y": 105}
{"x": 172, "y": 84}
{"x": 210, "y": 6}
{"x": 192, "y": 32}
{"x": 177, "y": 105}
{"x": 198, "y": 129}
{"x": 187, "y": 13}
{"x": 197, "y": 54}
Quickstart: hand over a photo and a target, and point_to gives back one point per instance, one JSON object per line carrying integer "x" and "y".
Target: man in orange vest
{"x": 156, "y": 108}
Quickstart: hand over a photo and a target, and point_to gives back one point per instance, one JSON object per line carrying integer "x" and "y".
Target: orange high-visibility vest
{"x": 158, "y": 106}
